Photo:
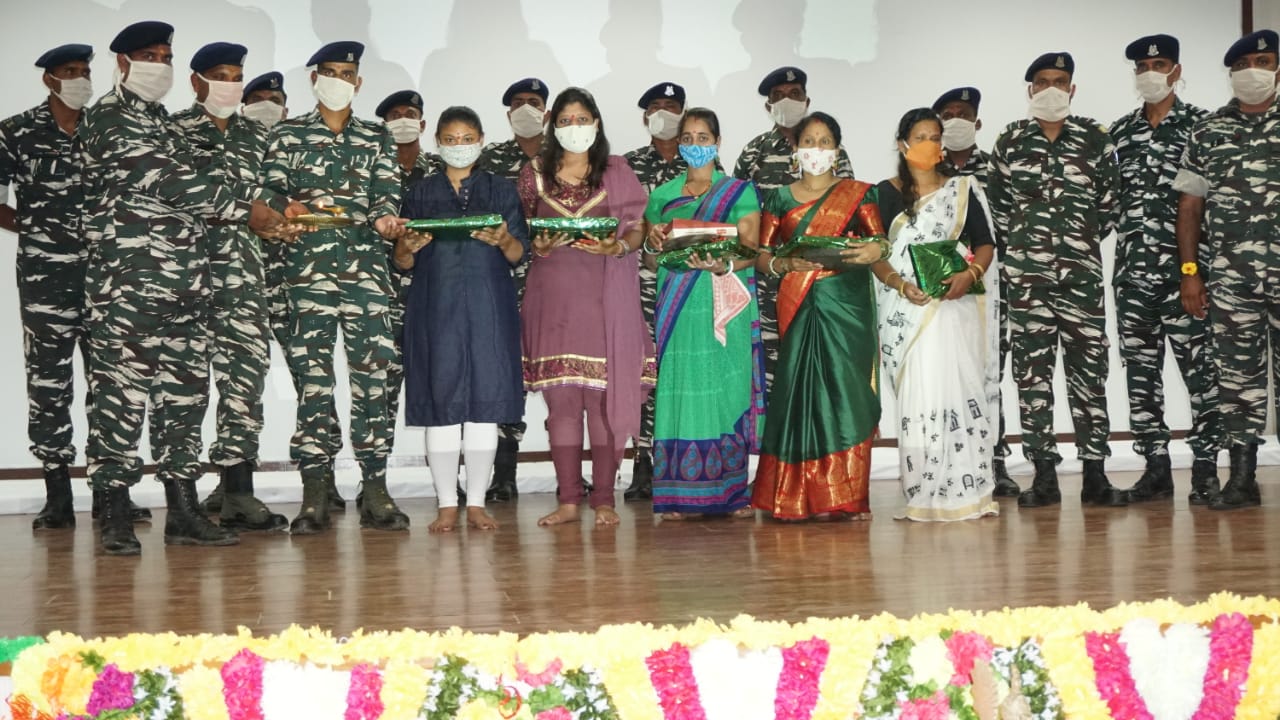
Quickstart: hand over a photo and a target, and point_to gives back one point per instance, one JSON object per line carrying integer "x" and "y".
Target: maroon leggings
{"x": 565, "y": 406}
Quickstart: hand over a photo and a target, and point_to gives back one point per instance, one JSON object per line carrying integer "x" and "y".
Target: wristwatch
{"x": 1190, "y": 268}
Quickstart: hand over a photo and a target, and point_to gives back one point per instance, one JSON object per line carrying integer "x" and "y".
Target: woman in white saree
{"x": 939, "y": 351}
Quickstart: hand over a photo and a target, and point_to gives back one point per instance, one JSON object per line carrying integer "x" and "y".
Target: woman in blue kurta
{"x": 462, "y": 329}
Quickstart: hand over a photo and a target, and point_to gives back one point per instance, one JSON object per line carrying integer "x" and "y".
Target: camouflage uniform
{"x": 45, "y": 165}
{"x": 238, "y": 328}
{"x": 338, "y": 277}
{"x": 1230, "y": 161}
{"x": 1053, "y": 203}
{"x": 768, "y": 162}
{"x": 1147, "y": 286}
{"x": 148, "y": 287}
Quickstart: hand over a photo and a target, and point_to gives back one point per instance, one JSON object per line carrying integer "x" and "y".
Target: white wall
{"x": 868, "y": 63}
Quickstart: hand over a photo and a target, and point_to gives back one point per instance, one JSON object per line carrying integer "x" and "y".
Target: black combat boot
{"x": 377, "y": 509}
{"x": 641, "y": 477}
{"x": 115, "y": 526}
{"x": 1098, "y": 490}
{"x": 336, "y": 502}
{"x": 59, "y": 512}
{"x": 241, "y": 511}
{"x": 185, "y": 523}
{"x": 503, "y": 489}
{"x": 313, "y": 516}
{"x": 1044, "y": 486}
{"x": 1005, "y": 486}
{"x": 1156, "y": 482}
{"x": 1241, "y": 490}
{"x": 212, "y": 504}
{"x": 137, "y": 513}
{"x": 1204, "y": 482}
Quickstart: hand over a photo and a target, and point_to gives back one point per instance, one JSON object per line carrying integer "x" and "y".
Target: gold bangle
{"x": 981, "y": 270}
{"x": 892, "y": 275}
{"x": 902, "y": 288}
{"x": 976, "y": 277}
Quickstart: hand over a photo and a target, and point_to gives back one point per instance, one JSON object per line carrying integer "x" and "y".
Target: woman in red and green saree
{"x": 815, "y": 457}
{"x": 710, "y": 394}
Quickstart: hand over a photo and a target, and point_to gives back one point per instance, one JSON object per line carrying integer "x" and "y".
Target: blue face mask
{"x": 698, "y": 155}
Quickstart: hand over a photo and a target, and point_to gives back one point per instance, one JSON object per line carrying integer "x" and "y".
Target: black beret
{"x": 404, "y": 97}
{"x": 266, "y": 81}
{"x": 661, "y": 90}
{"x": 527, "y": 85}
{"x": 1051, "y": 61}
{"x": 961, "y": 94}
{"x": 64, "y": 54}
{"x": 782, "y": 75}
{"x": 1260, "y": 41}
{"x": 344, "y": 51}
{"x": 1153, "y": 46}
{"x": 218, "y": 53}
{"x": 142, "y": 34}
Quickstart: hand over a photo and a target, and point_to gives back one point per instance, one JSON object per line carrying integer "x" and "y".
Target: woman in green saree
{"x": 815, "y": 458}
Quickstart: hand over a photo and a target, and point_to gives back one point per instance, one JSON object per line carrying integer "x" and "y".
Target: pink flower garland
{"x": 802, "y": 666}
{"x": 560, "y": 713}
{"x": 1113, "y": 678}
{"x": 113, "y": 690}
{"x": 671, "y": 674}
{"x": 364, "y": 694}
{"x": 1230, "y": 652}
{"x": 242, "y": 686}
{"x": 937, "y": 707}
{"x": 964, "y": 649}
{"x": 546, "y": 677}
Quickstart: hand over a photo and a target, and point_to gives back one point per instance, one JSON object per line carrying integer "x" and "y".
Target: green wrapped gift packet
{"x": 727, "y": 248}
{"x": 577, "y": 228}
{"x": 936, "y": 261}
{"x": 454, "y": 228}
{"x": 825, "y": 250}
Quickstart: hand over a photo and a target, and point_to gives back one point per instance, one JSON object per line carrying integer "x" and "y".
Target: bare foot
{"x": 681, "y": 516}
{"x": 606, "y": 517}
{"x": 746, "y": 513}
{"x": 446, "y": 520}
{"x": 563, "y": 514}
{"x": 480, "y": 520}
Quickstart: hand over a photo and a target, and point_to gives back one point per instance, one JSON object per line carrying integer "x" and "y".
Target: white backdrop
{"x": 868, "y": 62}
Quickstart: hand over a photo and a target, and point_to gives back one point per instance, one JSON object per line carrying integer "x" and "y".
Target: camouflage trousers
{"x": 239, "y": 347}
{"x": 1146, "y": 317}
{"x": 1001, "y": 449}
{"x": 318, "y": 311}
{"x": 648, "y": 301}
{"x": 395, "y": 369}
{"x": 140, "y": 358}
{"x": 52, "y": 301}
{"x": 1246, "y": 320}
{"x": 1041, "y": 317}
{"x": 513, "y": 433}
{"x": 767, "y": 297}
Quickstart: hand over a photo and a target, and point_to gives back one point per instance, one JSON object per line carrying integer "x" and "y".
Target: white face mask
{"x": 333, "y": 93}
{"x": 959, "y": 134}
{"x": 404, "y": 130}
{"x": 1252, "y": 86}
{"x": 76, "y": 92}
{"x": 787, "y": 112}
{"x": 1051, "y": 104}
{"x": 577, "y": 138}
{"x": 816, "y": 161}
{"x": 460, "y": 156}
{"x": 264, "y": 111}
{"x": 527, "y": 121}
{"x": 150, "y": 81}
{"x": 223, "y": 98}
{"x": 1152, "y": 86}
{"x": 664, "y": 124}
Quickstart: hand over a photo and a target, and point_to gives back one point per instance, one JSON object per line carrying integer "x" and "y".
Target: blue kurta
{"x": 462, "y": 327}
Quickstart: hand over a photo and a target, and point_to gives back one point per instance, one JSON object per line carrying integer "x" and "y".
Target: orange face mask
{"x": 924, "y": 155}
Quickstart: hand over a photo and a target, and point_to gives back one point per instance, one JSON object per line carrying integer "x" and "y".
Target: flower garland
{"x": 1153, "y": 660}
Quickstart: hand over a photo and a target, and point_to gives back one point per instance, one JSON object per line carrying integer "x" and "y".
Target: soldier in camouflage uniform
{"x": 238, "y": 329}
{"x": 1149, "y": 145}
{"x": 768, "y": 160}
{"x": 148, "y": 289}
{"x": 526, "y": 101}
{"x": 958, "y": 109}
{"x": 1229, "y": 181}
{"x": 1052, "y": 191}
{"x": 338, "y": 277}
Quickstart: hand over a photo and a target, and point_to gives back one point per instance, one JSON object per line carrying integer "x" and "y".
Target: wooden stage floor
{"x": 526, "y": 579}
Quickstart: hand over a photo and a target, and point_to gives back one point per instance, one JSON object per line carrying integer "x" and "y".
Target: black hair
{"x": 819, "y": 117}
{"x": 459, "y": 113}
{"x": 910, "y": 194}
{"x": 706, "y": 115}
{"x": 552, "y": 152}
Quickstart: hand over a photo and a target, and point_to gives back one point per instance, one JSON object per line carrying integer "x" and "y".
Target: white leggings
{"x": 480, "y": 441}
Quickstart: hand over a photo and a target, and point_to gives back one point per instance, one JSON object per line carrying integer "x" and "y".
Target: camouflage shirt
{"x": 355, "y": 169}
{"x": 978, "y": 166}
{"x": 45, "y": 164}
{"x": 1231, "y": 161}
{"x": 1146, "y": 241}
{"x": 235, "y": 252}
{"x": 652, "y": 169}
{"x": 768, "y": 162}
{"x": 1053, "y": 202}
{"x": 503, "y": 159}
{"x": 146, "y": 202}
{"x": 426, "y": 164}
